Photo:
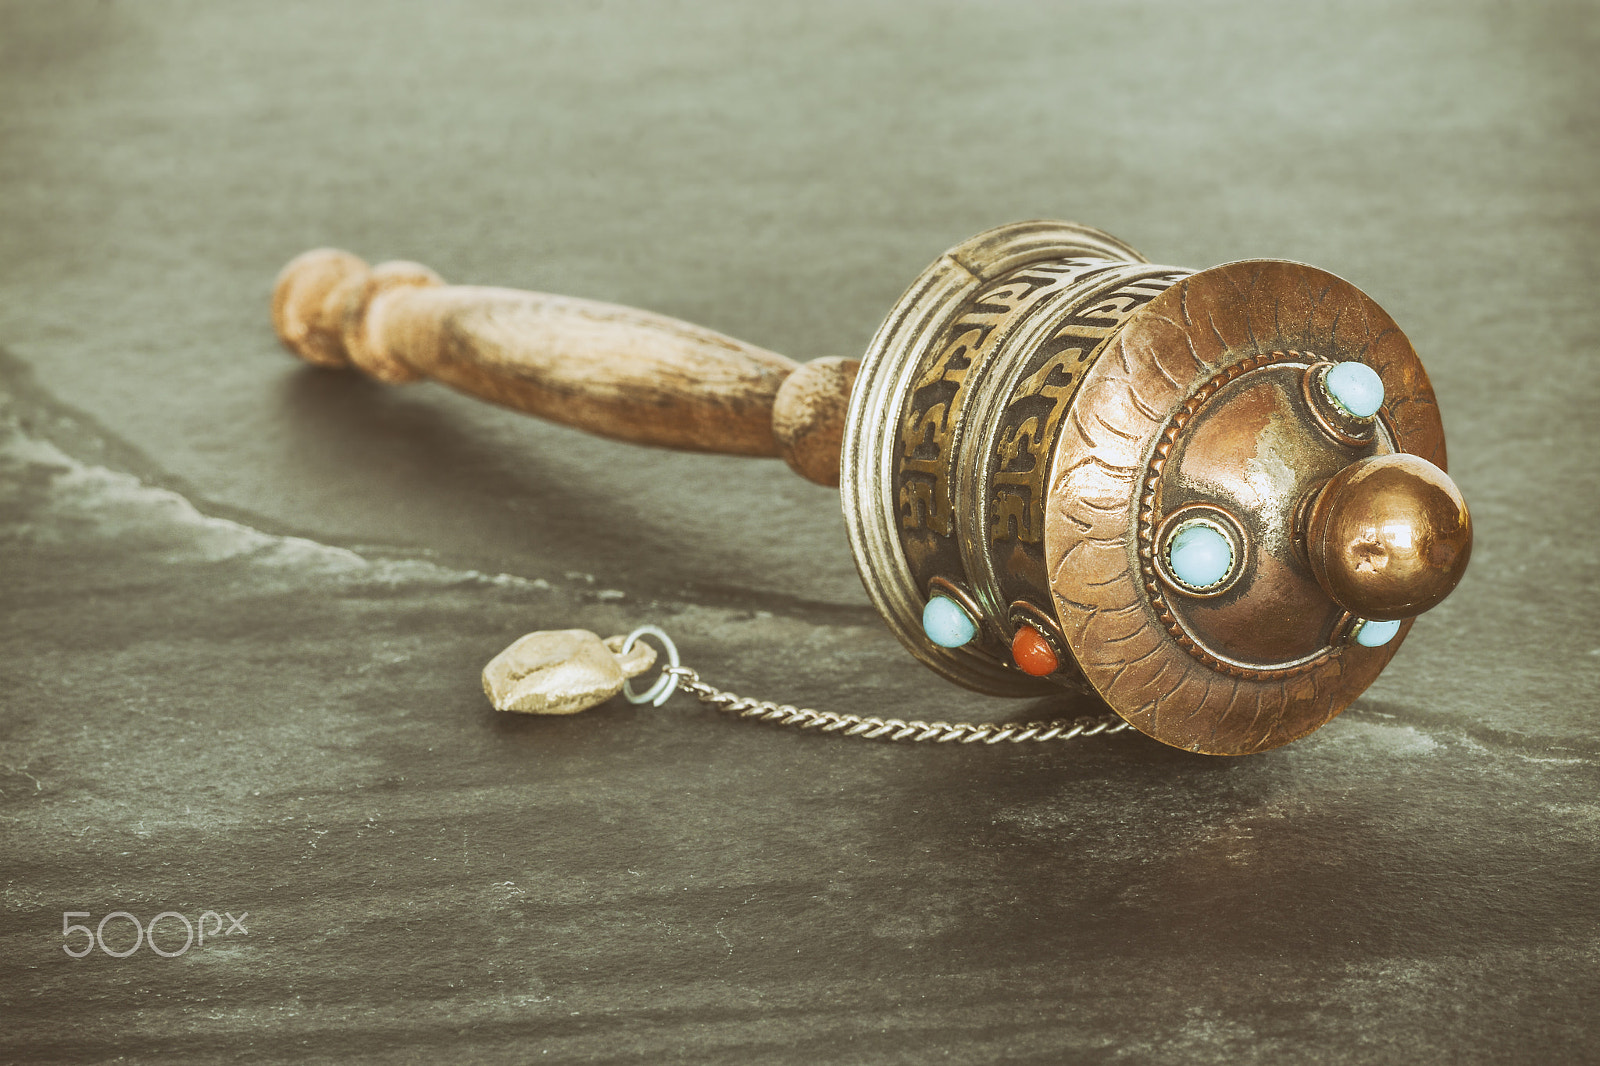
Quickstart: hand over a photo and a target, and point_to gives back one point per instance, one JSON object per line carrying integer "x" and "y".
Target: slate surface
{"x": 244, "y": 603}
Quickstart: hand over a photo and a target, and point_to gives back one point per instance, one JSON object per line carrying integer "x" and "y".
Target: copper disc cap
{"x": 1202, "y": 357}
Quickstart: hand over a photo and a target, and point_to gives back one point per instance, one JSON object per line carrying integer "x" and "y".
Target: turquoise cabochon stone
{"x": 1356, "y": 387}
{"x": 1199, "y": 556}
{"x": 1376, "y": 634}
{"x": 946, "y": 623}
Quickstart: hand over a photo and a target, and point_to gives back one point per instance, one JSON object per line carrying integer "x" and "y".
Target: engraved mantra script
{"x": 1028, "y": 424}
{"x": 929, "y": 426}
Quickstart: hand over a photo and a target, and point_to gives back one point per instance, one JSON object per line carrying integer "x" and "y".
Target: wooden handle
{"x": 615, "y": 371}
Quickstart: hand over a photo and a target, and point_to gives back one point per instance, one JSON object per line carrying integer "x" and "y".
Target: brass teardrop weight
{"x": 1215, "y": 499}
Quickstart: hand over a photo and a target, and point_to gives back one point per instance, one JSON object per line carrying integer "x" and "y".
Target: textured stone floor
{"x": 243, "y": 603}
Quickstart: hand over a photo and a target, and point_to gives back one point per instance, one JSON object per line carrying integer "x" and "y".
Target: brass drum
{"x": 1052, "y": 436}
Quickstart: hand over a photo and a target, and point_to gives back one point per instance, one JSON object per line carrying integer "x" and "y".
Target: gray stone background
{"x": 243, "y": 603}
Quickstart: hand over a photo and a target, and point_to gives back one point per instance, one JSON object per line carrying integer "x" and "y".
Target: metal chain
{"x": 874, "y": 728}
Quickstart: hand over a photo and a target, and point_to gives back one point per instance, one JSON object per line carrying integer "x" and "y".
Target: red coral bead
{"x": 1033, "y": 653}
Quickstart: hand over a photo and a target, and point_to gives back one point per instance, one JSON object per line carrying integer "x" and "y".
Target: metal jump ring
{"x": 657, "y": 693}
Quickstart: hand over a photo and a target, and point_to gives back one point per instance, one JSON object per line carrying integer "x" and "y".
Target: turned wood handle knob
{"x": 615, "y": 371}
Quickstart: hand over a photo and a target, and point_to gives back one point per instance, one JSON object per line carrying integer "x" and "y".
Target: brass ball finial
{"x": 1388, "y": 537}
